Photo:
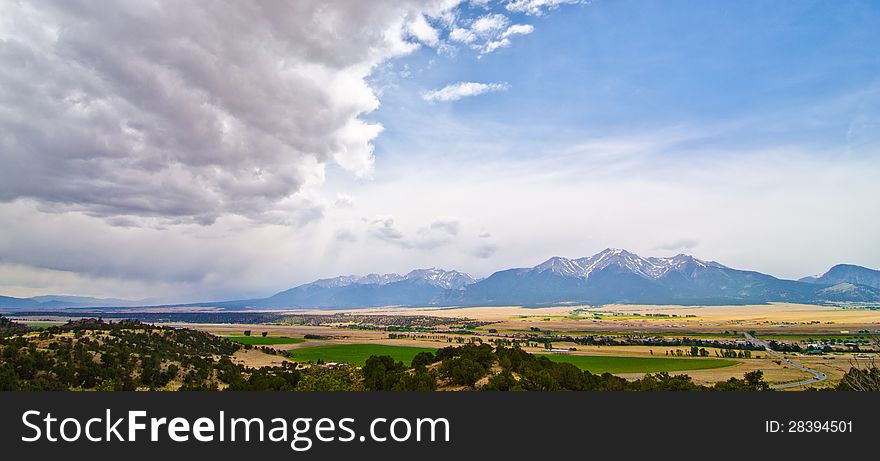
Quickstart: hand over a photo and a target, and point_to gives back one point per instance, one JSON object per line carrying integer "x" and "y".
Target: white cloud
{"x": 489, "y": 32}
{"x": 462, "y": 35}
{"x": 496, "y": 44}
{"x": 539, "y": 7}
{"x": 489, "y": 24}
{"x": 456, "y": 91}
{"x": 344, "y": 200}
{"x": 518, "y": 29}
{"x": 421, "y": 30}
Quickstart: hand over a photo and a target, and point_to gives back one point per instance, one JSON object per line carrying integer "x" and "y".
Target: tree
{"x": 8, "y": 378}
{"x": 247, "y": 332}
{"x": 755, "y": 380}
{"x": 381, "y": 373}
{"x": 421, "y": 380}
{"x": 423, "y": 359}
{"x": 265, "y": 333}
{"x": 463, "y": 371}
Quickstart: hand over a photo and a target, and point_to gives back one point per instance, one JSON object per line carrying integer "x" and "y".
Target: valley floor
{"x": 789, "y": 323}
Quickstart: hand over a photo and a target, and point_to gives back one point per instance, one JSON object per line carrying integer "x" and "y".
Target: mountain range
{"x": 610, "y": 276}
{"x": 52, "y": 302}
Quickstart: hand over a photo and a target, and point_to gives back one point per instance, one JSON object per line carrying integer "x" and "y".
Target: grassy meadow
{"x": 356, "y": 354}
{"x": 597, "y": 364}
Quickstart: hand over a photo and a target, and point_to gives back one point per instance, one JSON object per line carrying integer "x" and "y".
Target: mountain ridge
{"x": 847, "y": 273}
{"x": 611, "y": 276}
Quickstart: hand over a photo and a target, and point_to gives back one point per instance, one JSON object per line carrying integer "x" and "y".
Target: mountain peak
{"x": 650, "y": 267}
{"x": 451, "y": 279}
{"x": 847, "y": 273}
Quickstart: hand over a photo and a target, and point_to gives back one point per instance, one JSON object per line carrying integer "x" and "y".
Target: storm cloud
{"x": 190, "y": 110}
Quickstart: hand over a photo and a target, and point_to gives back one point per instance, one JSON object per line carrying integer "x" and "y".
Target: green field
{"x": 356, "y": 354}
{"x": 599, "y": 364}
{"x": 814, "y": 337}
{"x": 42, "y": 325}
{"x": 264, "y": 341}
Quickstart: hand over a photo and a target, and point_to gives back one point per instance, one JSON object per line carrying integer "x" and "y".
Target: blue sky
{"x": 182, "y": 162}
{"x": 766, "y": 110}
{"x": 618, "y": 67}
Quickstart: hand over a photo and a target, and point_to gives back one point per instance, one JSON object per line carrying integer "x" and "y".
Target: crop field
{"x": 611, "y": 364}
{"x": 356, "y": 354}
{"x": 818, "y": 337}
{"x": 41, "y": 325}
{"x": 264, "y": 341}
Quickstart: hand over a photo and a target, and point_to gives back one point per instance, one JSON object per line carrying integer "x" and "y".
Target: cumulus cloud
{"x": 539, "y": 7}
{"x": 156, "y": 110}
{"x": 456, "y": 91}
{"x": 180, "y": 148}
{"x": 422, "y": 30}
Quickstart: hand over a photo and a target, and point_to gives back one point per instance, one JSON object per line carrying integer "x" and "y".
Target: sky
{"x": 190, "y": 150}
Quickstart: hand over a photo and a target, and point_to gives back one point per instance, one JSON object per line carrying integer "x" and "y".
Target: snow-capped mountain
{"x": 619, "y": 276}
{"x": 652, "y": 268}
{"x": 453, "y": 280}
{"x": 369, "y": 279}
{"x": 419, "y": 287}
{"x": 610, "y": 276}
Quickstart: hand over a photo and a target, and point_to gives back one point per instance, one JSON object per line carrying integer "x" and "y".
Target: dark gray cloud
{"x": 439, "y": 232}
{"x": 189, "y": 110}
{"x": 450, "y": 226}
{"x": 385, "y": 229}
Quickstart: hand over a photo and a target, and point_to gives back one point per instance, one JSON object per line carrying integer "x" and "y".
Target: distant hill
{"x": 50, "y": 302}
{"x": 418, "y": 287}
{"x": 847, "y": 273}
{"x": 8, "y": 327}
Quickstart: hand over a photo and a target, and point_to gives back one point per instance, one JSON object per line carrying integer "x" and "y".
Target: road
{"x": 818, "y": 376}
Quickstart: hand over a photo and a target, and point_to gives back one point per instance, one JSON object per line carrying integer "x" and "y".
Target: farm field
{"x": 356, "y": 354}
{"x": 777, "y": 318}
{"x": 342, "y": 340}
{"x": 612, "y": 364}
{"x": 42, "y": 325}
{"x": 264, "y": 341}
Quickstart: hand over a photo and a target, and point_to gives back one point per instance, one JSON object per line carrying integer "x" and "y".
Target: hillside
{"x": 91, "y": 354}
{"x": 847, "y": 273}
{"x": 8, "y": 327}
